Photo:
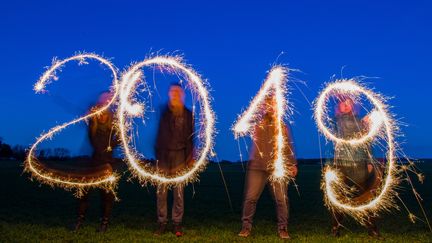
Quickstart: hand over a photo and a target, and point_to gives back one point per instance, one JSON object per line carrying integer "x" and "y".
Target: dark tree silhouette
{"x": 19, "y": 152}
{"x": 5, "y": 151}
{"x": 60, "y": 154}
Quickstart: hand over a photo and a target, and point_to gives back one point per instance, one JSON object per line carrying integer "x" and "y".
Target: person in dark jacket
{"x": 174, "y": 153}
{"x": 351, "y": 161}
{"x": 102, "y": 138}
{"x": 258, "y": 171}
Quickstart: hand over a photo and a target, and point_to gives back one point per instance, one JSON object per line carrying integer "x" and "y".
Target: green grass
{"x": 33, "y": 213}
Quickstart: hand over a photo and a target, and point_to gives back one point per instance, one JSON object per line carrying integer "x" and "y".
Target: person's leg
{"x": 278, "y": 191}
{"x": 162, "y": 204}
{"x": 372, "y": 228}
{"x": 107, "y": 198}
{"x": 107, "y": 201}
{"x": 255, "y": 182}
{"x": 83, "y": 203}
{"x": 162, "y": 208}
{"x": 178, "y": 205}
{"x": 178, "y": 209}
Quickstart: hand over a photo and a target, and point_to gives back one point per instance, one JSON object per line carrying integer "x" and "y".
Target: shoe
{"x": 78, "y": 223}
{"x": 374, "y": 233}
{"x": 283, "y": 234}
{"x": 178, "y": 230}
{"x": 103, "y": 226}
{"x": 336, "y": 231}
{"x": 161, "y": 229}
{"x": 244, "y": 232}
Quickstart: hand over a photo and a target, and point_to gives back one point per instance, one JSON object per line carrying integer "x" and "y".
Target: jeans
{"x": 162, "y": 204}
{"x": 254, "y": 186}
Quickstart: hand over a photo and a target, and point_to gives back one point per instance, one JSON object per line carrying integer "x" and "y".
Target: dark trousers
{"x": 107, "y": 201}
{"x": 162, "y": 204}
{"x": 254, "y": 186}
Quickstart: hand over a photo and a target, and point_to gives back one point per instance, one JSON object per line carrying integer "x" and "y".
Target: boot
{"x": 103, "y": 226}
{"x": 244, "y": 232}
{"x": 283, "y": 234}
{"x": 161, "y": 229}
{"x": 374, "y": 232}
{"x": 336, "y": 231}
{"x": 78, "y": 223}
{"x": 178, "y": 230}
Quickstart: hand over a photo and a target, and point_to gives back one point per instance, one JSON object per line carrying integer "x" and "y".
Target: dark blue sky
{"x": 232, "y": 44}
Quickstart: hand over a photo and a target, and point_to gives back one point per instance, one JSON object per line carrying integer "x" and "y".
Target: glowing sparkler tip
{"x": 38, "y": 87}
{"x": 330, "y": 175}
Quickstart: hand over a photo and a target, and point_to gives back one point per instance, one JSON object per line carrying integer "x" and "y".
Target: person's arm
{"x": 289, "y": 152}
{"x": 92, "y": 131}
{"x": 161, "y": 132}
{"x": 190, "y": 140}
{"x": 365, "y": 123}
{"x": 115, "y": 134}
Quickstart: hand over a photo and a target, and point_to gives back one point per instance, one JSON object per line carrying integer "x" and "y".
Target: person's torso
{"x": 173, "y": 133}
{"x": 352, "y": 160}
{"x": 263, "y": 152}
{"x": 101, "y": 141}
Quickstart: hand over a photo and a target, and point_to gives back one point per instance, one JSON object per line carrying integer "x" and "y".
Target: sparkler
{"x": 129, "y": 107}
{"x": 381, "y": 125}
{"x": 275, "y": 84}
{"x": 37, "y": 170}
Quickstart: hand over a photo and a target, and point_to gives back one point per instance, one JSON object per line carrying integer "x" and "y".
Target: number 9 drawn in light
{"x": 381, "y": 125}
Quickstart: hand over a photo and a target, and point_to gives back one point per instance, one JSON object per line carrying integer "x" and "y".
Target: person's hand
{"x": 370, "y": 168}
{"x": 367, "y": 120}
{"x": 190, "y": 162}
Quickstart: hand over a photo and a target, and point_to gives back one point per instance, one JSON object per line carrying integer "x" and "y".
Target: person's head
{"x": 345, "y": 106}
{"x": 176, "y": 94}
{"x": 103, "y": 117}
{"x": 103, "y": 99}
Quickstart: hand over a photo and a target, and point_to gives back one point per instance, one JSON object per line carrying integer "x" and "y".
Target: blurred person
{"x": 258, "y": 171}
{"x": 102, "y": 137}
{"x": 354, "y": 163}
{"x": 174, "y": 153}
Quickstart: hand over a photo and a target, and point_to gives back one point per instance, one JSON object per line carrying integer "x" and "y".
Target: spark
{"x": 129, "y": 108}
{"x": 276, "y": 82}
{"x": 108, "y": 180}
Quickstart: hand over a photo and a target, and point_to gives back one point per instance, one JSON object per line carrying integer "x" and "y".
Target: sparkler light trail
{"x": 129, "y": 107}
{"x": 106, "y": 179}
{"x": 275, "y": 84}
{"x": 380, "y": 125}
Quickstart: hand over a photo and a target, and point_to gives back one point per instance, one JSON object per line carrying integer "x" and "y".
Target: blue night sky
{"x": 232, "y": 44}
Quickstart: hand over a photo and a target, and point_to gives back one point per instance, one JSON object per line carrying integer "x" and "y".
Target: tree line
{"x": 19, "y": 152}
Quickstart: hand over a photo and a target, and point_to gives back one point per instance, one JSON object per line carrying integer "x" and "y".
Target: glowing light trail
{"x": 129, "y": 107}
{"x": 37, "y": 170}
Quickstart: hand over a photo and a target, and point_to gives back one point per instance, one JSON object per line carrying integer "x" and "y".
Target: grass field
{"x": 33, "y": 213}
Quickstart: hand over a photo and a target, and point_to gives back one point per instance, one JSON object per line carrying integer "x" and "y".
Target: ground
{"x": 30, "y": 212}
